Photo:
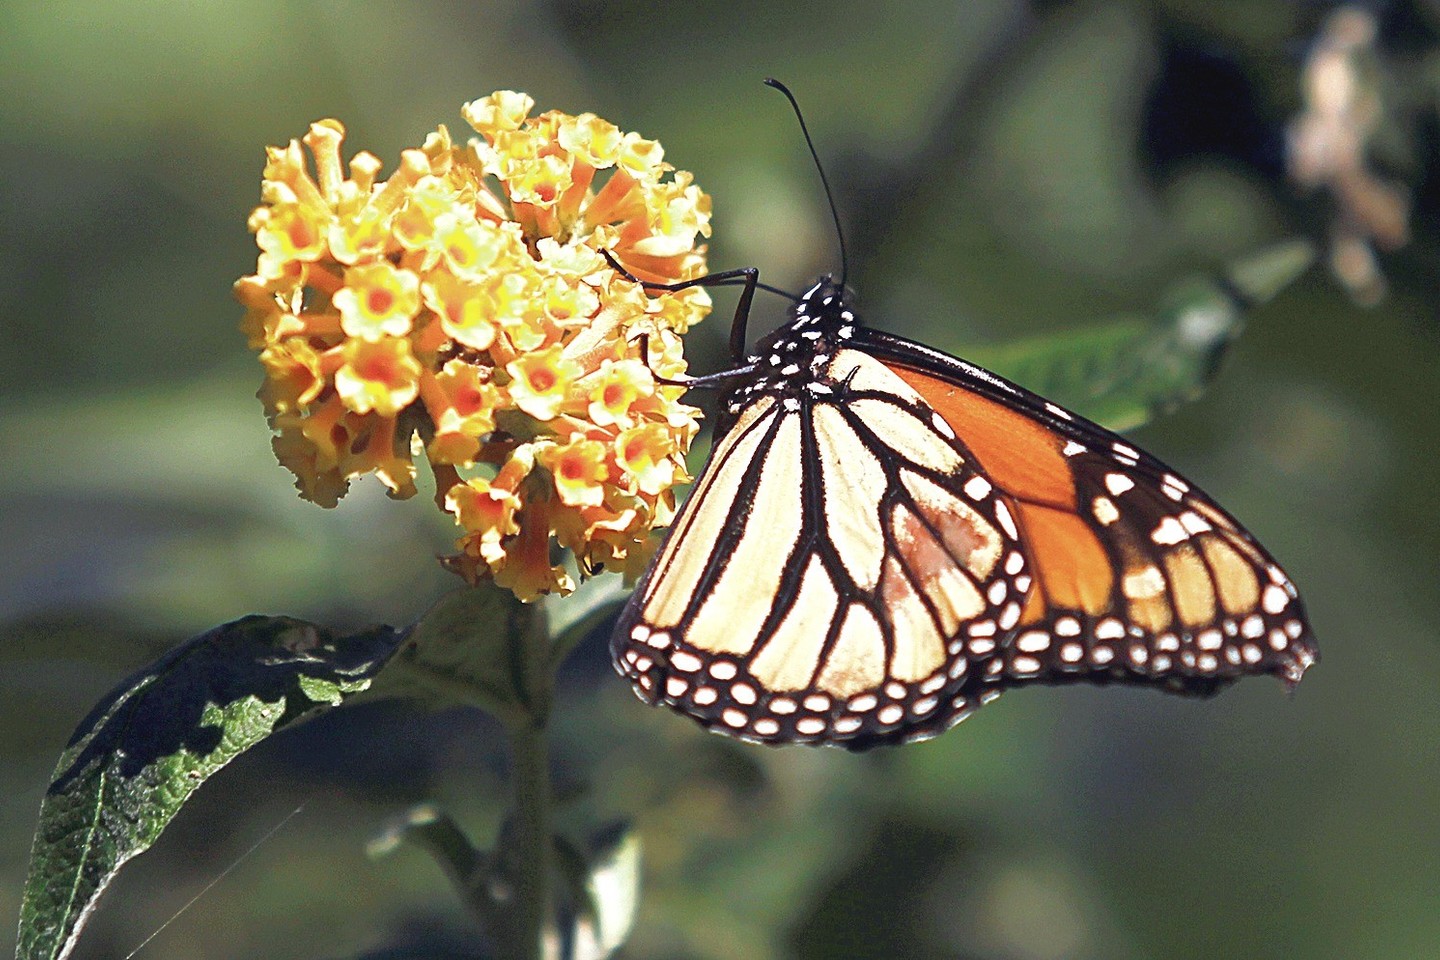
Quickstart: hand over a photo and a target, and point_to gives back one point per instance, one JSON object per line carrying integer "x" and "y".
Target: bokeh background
{"x": 1005, "y": 169}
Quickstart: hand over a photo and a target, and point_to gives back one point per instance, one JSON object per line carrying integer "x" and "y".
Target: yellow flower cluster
{"x": 464, "y": 307}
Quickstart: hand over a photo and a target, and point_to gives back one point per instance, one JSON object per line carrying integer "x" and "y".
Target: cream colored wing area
{"x": 854, "y": 484}
{"x": 730, "y": 619}
{"x": 704, "y": 516}
{"x": 789, "y": 660}
{"x": 919, "y": 647}
{"x": 904, "y": 433}
{"x": 863, "y": 372}
{"x": 857, "y": 661}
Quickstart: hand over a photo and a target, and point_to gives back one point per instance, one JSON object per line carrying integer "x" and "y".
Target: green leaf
{"x": 480, "y": 645}
{"x": 1125, "y": 372}
{"x": 140, "y": 754}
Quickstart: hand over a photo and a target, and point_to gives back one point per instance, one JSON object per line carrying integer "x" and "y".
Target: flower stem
{"x": 532, "y": 838}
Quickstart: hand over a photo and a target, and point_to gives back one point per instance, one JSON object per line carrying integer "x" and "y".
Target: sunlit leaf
{"x": 614, "y": 885}
{"x": 140, "y": 754}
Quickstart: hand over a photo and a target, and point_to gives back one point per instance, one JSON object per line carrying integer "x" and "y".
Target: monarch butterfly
{"x": 886, "y": 537}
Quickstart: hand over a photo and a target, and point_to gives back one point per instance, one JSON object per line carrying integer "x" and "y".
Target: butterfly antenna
{"x": 830, "y": 197}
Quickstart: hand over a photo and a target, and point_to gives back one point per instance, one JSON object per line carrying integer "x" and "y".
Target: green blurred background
{"x": 1005, "y": 170}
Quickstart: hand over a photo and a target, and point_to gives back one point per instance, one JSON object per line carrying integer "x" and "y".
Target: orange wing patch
{"x": 1071, "y": 564}
{"x": 1018, "y": 454}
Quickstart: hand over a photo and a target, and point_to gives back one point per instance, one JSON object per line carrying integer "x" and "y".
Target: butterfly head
{"x": 824, "y": 301}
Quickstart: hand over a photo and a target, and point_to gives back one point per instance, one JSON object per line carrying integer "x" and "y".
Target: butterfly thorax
{"x": 793, "y": 359}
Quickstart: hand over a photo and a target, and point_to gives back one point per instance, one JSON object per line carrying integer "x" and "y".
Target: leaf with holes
{"x": 140, "y": 754}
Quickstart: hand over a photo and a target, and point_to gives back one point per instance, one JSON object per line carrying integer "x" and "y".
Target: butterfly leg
{"x": 718, "y": 379}
{"x": 748, "y": 276}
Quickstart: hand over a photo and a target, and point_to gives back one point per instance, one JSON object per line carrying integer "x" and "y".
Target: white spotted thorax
{"x": 866, "y": 558}
{"x": 796, "y": 358}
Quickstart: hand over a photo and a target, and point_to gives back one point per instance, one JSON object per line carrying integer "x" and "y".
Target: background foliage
{"x": 1006, "y": 170}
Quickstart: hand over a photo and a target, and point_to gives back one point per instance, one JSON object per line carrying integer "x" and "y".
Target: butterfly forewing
{"x": 847, "y": 539}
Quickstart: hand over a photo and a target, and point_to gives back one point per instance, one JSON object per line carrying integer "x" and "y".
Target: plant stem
{"x": 532, "y": 837}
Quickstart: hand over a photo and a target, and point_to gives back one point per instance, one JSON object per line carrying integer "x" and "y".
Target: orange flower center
{"x": 301, "y": 236}
{"x": 492, "y": 510}
{"x": 380, "y": 302}
{"x": 468, "y": 400}
{"x": 378, "y": 369}
{"x": 542, "y": 381}
{"x": 613, "y": 394}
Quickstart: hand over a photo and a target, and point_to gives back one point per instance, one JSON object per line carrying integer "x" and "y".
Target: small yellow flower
{"x": 466, "y": 312}
{"x": 428, "y": 206}
{"x": 462, "y": 405}
{"x": 298, "y": 453}
{"x": 638, "y": 157}
{"x": 502, "y": 111}
{"x": 377, "y": 301}
{"x": 295, "y": 375}
{"x": 591, "y": 140}
{"x": 330, "y": 429}
{"x": 541, "y": 181}
{"x": 616, "y": 387}
{"x": 569, "y": 302}
{"x": 487, "y": 512}
{"x": 359, "y": 238}
{"x": 541, "y": 381}
{"x": 381, "y": 376}
{"x": 472, "y": 248}
{"x": 291, "y": 232}
{"x": 514, "y": 301}
{"x": 646, "y": 454}
{"x": 579, "y": 471}
{"x": 377, "y": 450}
{"x": 679, "y": 310}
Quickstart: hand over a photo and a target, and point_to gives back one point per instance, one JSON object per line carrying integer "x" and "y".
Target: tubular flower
{"x": 463, "y": 307}
{"x": 540, "y": 381}
{"x": 615, "y": 388}
{"x": 579, "y": 471}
